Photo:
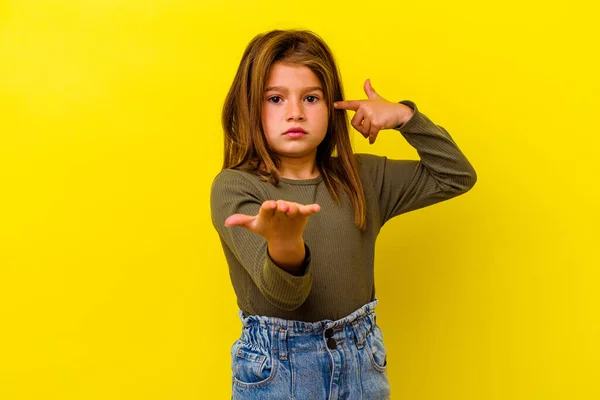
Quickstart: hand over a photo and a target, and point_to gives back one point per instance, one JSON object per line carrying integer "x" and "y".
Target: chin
{"x": 296, "y": 154}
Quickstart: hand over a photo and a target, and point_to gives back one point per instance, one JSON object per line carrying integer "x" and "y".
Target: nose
{"x": 295, "y": 110}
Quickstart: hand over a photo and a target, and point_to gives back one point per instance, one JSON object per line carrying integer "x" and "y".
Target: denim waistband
{"x": 299, "y": 336}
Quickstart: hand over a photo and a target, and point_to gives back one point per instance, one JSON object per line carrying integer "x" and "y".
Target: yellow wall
{"x": 112, "y": 281}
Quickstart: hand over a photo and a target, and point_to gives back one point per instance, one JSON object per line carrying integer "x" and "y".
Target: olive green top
{"x": 339, "y": 265}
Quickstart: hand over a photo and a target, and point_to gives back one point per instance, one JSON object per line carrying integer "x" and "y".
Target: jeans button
{"x": 328, "y": 332}
{"x": 331, "y": 343}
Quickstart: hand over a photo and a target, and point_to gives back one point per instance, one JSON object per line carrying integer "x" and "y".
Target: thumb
{"x": 238, "y": 220}
{"x": 371, "y": 93}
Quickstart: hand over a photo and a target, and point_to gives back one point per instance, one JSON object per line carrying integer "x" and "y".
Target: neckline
{"x": 311, "y": 181}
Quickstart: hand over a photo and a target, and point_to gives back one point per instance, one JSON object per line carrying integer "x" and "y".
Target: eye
{"x": 275, "y": 99}
{"x": 312, "y": 99}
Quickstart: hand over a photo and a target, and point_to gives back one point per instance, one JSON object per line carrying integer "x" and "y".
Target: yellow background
{"x": 112, "y": 280}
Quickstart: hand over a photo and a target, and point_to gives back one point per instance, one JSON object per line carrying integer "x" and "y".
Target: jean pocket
{"x": 376, "y": 349}
{"x": 252, "y": 366}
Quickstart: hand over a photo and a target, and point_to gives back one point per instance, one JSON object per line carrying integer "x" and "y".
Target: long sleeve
{"x": 232, "y": 193}
{"x": 443, "y": 171}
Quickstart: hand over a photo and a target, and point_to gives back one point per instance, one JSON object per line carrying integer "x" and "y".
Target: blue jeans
{"x": 283, "y": 359}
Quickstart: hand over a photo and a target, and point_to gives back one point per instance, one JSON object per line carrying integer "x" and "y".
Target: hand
{"x": 277, "y": 221}
{"x": 375, "y": 113}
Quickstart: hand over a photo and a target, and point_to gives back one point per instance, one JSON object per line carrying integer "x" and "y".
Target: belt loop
{"x": 283, "y": 351}
{"x": 358, "y": 334}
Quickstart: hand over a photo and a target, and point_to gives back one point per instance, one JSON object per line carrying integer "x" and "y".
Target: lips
{"x": 294, "y": 133}
{"x": 295, "y": 129}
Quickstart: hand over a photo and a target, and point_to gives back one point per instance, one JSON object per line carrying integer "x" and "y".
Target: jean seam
{"x": 370, "y": 353}
{"x": 264, "y": 382}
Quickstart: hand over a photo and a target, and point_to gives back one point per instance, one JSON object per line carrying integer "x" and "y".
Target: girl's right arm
{"x": 281, "y": 223}
{"x": 265, "y": 238}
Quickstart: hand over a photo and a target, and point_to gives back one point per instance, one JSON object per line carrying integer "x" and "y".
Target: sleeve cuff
{"x": 283, "y": 289}
{"x": 416, "y": 122}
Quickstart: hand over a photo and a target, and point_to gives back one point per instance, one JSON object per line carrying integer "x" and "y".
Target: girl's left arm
{"x": 443, "y": 171}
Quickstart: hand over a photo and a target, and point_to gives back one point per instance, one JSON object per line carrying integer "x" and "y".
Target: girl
{"x": 298, "y": 214}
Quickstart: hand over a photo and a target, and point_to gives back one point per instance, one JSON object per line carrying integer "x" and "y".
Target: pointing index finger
{"x": 348, "y": 104}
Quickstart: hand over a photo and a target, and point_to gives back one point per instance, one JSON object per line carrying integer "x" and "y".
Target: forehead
{"x": 291, "y": 76}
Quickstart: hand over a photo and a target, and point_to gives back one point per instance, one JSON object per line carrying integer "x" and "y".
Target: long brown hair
{"x": 246, "y": 147}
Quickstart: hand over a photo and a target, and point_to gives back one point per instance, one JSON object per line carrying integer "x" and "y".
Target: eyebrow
{"x": 283, "y": 89}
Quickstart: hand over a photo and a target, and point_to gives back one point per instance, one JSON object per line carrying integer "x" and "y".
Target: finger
{"x": 373, "y": 136}
{"x": 348, "y": 104}
{"x": 373, "y": 132}
{"x": 282, "y": 206}
{"x": 371, "y": 93}
{"x": 267, "y": 209}
{"x": 292, "y": 209}
{"x": 238, "y": 220}
{"x": 309, "y": 209}
{"x": 367, "y": 126}
{"x": 357, "y": 121}
{"x": 279, "y": 212}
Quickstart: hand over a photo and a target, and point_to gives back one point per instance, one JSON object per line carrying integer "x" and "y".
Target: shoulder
{"x": 368, "y": 161}
{"x": 371, "y": 168}
{"x": 370, "y": 165}
{"x": 232, "y": 181}
{"x": 229, "y": 175}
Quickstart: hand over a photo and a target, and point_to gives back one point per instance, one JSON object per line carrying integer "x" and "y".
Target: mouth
{"x": 295, "y": 132}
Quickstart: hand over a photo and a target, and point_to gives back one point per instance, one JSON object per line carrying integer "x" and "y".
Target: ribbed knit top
{"x": 339, "y": 272}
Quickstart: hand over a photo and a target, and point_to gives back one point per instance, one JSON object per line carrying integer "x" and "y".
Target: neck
{"x": 298, "y": 168}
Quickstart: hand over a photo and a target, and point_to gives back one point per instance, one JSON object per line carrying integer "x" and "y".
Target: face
{"x": 294, "y": 114}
